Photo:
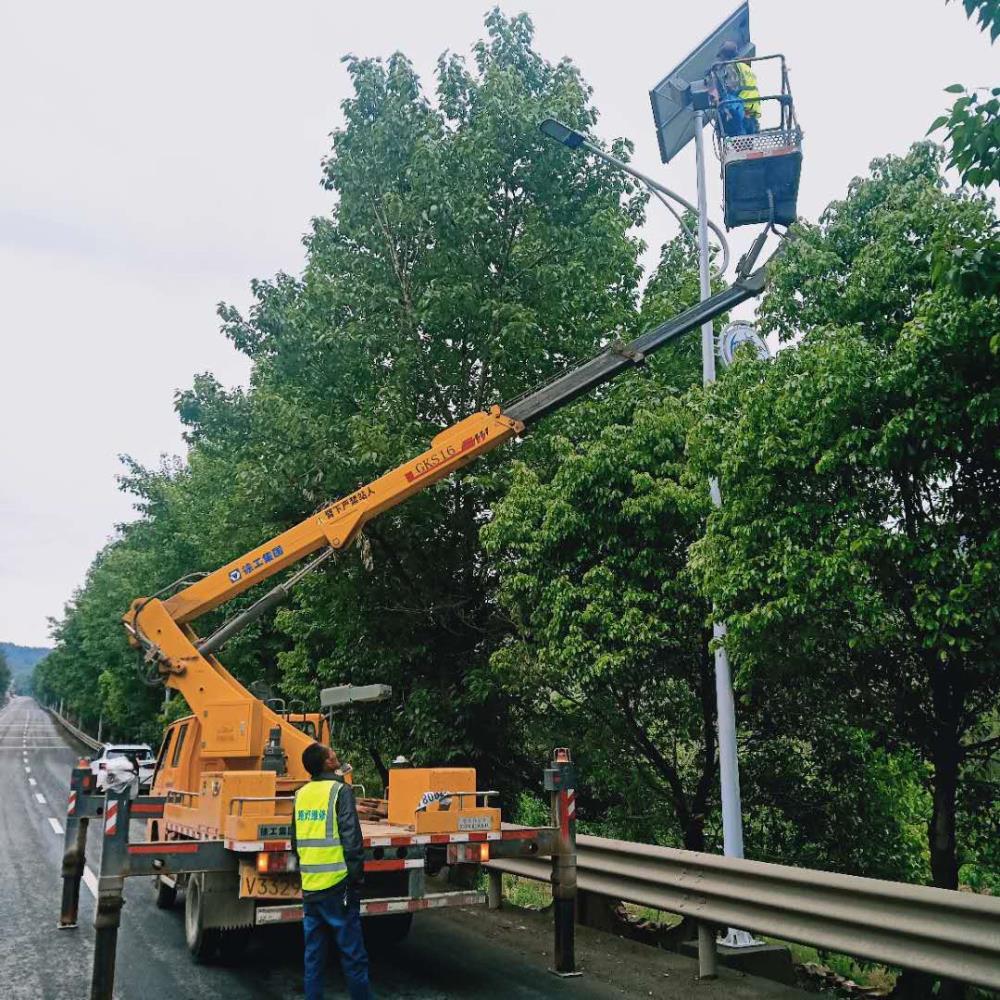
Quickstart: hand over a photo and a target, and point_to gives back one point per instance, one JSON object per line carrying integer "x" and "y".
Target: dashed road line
{"x": 40, "y": 798}
{"x": 38, "y": 746}
{"x": 90, "y": 881}
{"x": 55, "y": 824}
{"x": 32, "y": 782}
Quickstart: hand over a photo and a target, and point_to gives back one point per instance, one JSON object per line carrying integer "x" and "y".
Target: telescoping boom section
{"x": 234, "y": 724}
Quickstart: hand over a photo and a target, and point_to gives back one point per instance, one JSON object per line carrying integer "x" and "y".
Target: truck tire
{"x": 202, "y": 941}
{"x": 166, "y": 895}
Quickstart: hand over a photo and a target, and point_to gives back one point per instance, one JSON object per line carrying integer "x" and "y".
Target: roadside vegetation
{"x": 6, "y": 677}
{"x": 560, "y": 591}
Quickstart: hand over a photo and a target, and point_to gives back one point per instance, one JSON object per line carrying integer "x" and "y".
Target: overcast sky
{"x": 158, "y": 157}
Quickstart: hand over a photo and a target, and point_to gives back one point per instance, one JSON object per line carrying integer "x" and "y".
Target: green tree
{"x": 608, "y": 644}
{"x": 856, "y": 557}
{"x": 465, "y": 259}
{"x": 611, "y": 640}
{"x": 972, "y": 132}
{"x": 5, "y": 676}
{"x": 609, "y": 647}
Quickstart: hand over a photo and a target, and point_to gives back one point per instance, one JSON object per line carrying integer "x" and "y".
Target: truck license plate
{"x": 474, "y": 823}
{"x": 256, "y": 886}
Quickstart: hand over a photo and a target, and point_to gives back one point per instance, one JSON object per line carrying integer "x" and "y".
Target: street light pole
{"x": 729, "y": 770}
{"x": 725, "y": 705}
{"x": 729, "y": 773}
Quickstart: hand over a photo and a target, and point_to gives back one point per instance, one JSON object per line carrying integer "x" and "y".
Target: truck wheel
{"x": 202, "y": 941}
{"x": 382, "y": 933}
{"x": 166, "y": 895}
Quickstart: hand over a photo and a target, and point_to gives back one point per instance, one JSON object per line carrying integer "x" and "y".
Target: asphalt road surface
{"x": 458, "y": 953}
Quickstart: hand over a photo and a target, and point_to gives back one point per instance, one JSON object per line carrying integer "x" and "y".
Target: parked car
{"x": 138, "y": 753}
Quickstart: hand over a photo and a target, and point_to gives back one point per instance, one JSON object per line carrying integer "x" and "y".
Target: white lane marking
{"x": 38, "y": 746}
{"x": 27, "y": 770}
{"x": 40, "y": 798}
{"x": 32, "y": 782}
{"x": 90, "y": 881}
{"x": 55, "y": 824}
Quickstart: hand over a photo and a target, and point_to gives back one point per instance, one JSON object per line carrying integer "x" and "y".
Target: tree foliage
{"x": 609, "y": 646}
{"x": 565, "y": 596}
{"x": 610, "y": 639}
{"x": 986, "y": 14}
{"x": 5, "y": 676}
{"x": 972, "y": 131}
{"x": 465, "y": 259}
{"x": 857, "y": 551}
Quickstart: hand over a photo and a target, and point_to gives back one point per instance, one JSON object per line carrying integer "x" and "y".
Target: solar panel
{"x": 672, "y": 113}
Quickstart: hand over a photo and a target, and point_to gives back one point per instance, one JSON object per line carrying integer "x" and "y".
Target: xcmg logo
{"x": 235, "y": 575}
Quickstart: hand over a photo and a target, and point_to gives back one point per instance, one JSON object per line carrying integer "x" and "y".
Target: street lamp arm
{"x": 575, "y": 140}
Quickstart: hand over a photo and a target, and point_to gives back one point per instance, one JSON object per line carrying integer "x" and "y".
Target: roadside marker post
{"x": 75, "y": 843}
{"x": 560, "y": 781}
{"x": 110, "y": 883}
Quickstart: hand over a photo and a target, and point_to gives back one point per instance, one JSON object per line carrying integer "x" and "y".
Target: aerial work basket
{"x": 761, "y": 155}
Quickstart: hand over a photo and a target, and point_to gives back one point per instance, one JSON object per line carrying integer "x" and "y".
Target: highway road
{"x": 462, "y": 953}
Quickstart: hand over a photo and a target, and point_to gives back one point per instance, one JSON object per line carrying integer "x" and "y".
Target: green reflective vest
{"x": 317, "y": 836}
{"x": 749, "y": 94}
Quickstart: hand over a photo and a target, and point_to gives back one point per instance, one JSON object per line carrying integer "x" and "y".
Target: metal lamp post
{"x": 729, "y": 775}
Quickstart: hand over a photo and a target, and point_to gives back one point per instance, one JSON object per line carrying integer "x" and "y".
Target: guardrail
{"x": 955, "y": 935}
{"x": 79, "y": 734}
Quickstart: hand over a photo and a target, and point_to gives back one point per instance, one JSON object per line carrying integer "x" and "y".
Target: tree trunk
{"x": 941, "y": 830}
{"x": 380, "y": 767}
{"x": 694, "y": 834}
{"x": 944, "y": 855}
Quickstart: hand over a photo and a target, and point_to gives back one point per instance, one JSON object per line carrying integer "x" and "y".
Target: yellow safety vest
{"x": 317, "y": 836}
{"x": 749, "y": 94}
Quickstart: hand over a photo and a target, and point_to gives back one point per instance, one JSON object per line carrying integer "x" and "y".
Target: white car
{"x": 139, "y": 753}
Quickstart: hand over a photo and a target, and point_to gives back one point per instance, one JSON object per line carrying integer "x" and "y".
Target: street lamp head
{"x": 562, "y": 133}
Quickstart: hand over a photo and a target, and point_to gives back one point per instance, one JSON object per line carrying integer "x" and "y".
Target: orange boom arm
{"x": 212, "y": 693}
{"x": 338, "y": 523}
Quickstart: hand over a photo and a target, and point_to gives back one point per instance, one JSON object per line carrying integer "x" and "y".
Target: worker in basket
{"x": 326, "y": 836}
{"x": 738, "y": 96}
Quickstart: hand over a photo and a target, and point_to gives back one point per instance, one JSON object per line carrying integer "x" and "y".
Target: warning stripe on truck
{"x": 290, "y": 913}
{"x": 403, "y": 840}
{"x": 449, "y": 838}
{"x": 394, "y": 865}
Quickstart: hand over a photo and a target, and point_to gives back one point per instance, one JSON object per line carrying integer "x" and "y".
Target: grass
{"x": 526, "y": 893}
{"x": 872, "y": 975}
{"x": 659, "y": 918}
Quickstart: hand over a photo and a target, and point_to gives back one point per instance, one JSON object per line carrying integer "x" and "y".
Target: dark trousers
{"x": 333, "y": 914}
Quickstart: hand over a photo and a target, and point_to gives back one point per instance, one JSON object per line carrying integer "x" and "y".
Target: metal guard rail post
{"x": 954, "y": 935}
{"x": 560, "y": 782}
{"x": 87, "y": 741}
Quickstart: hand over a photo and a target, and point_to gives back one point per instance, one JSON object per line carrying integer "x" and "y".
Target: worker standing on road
{"x": 326, "y": 836}
{"x": 740, "y": 82}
